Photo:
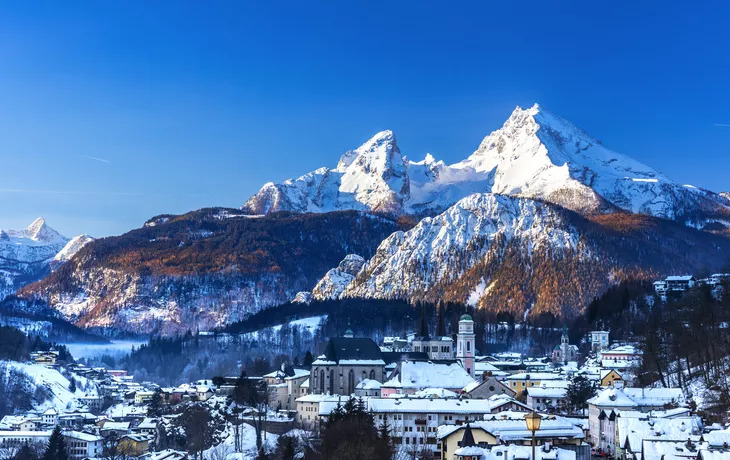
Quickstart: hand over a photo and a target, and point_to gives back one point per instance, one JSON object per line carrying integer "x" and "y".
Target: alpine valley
{"x": 541, "y": 218}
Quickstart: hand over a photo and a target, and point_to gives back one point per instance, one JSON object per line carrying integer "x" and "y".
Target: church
{"x": 565, "y": 352}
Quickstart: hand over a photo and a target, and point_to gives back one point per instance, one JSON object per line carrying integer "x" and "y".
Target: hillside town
{"x": 436, "y": 397}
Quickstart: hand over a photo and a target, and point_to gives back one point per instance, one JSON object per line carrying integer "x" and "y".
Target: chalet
{"x": 680, "y": 283}
{"x": 18, "y": 423}
{"x": 134, "y": 445}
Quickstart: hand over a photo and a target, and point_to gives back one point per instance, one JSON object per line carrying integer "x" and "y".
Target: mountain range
{"x": 539, "y": 219}
{"x": 30, "y": 254}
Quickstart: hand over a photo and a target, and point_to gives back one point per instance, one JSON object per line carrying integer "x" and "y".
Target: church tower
{"x": 465, "y": 344}
{"x": 565, "y": 344}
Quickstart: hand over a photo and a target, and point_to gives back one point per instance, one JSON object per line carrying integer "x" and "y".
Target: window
{"x": 468, "y": 346}
{"x": 332, "y": 382}
{"x": 321, "y": 381}
{"x": 372, "y": 374}
{"x": 350, "y": 382}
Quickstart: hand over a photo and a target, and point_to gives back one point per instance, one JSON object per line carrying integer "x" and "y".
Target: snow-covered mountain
{"x": 335, "y": 280}
{"x": 534, "y": 154}
{"x": 374, "y": 177}
{"x": 25, "y": 255}
{"x": 72, "y": 247}
{"x": 523, "y": 255}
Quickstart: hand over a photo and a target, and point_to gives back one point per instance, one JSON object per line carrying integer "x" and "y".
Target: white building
{"x": 83, "y": 445}
{"x": 412, "y": 376}
{"x": 16, "y": 439}
{"x": 598, "y": 340}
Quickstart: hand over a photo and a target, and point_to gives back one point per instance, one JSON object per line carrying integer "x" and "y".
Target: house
{"x": 308, "y": 408}
{"x": 134, "y": 445}
{"x": 45, "y": 358}
{"x": 143, "y": 397}
{"x": 488, "y": 387}
{"x": 598, "y": 340}
{"x": 415, "y": 421}
{"x": 467, "y": 451}
{"x": 680, "y": 283}
{"x": 116, "y": 428}
{"x": 81, "y": 445}
{"x": 17, "y": 423}
{"x": 633, "y": 430}
{"x": 368, "y": 388}
{"x": 607, "y": 404}
{"x": 611, "y": 378}
{"x": 287, "y": 382}
{"x": 621, "y": 357}
{"x": 50, "y": 417}
{"x": 511, "y": 429}
{"x": 412, "y": 376}
{"x": 545, "y": 398}
{"x": 664, "y": 449}
{"x": 520, "y": 382}
{"x": 347, "y": 361}
{"x": 148, "y": 427}
{"x": 203, "y": 393}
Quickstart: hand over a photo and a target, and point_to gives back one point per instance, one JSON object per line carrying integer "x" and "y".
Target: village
{"x": 435, "y": 395}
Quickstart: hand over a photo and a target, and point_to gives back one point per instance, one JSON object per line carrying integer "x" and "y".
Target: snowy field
{"x": 310, "y": 323}
{"x": 92, "y": 350}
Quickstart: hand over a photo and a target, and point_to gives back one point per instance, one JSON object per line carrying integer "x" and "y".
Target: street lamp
{"x": 533, "y": 420}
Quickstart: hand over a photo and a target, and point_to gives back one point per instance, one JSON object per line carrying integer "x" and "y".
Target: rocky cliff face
{"x": 203, "y": 269}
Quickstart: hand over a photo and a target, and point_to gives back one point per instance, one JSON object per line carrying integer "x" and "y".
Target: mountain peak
{"x": 40, "y": 231}
{"x": 383, "y": 139}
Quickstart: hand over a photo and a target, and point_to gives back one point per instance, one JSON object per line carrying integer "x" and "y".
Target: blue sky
{"x": 194, "y": 104}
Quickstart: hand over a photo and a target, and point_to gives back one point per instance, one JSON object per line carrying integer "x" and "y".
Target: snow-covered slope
{"x": 523, "y": 255}
{"x": 374, "y": 177}
{"x": 534, "y": 154}
{"x": 334, "y": 282}
{"x": 444, "y": 246}
{"x": 72, "y": 247}
{"x": 541, "y": 155}
{"x": 25, "y": 254}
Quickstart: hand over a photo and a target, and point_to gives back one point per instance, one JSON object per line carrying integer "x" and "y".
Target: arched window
{"x": 321, "y": 381}
{"x": 332, "y": 382}
{"x": 468, "y": 346}
{"x": 372, "y": 374}
{"x": 351, "y": 382}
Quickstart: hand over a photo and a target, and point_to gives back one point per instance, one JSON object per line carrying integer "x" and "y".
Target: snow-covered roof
{"x": 718, "y": 437}
{"x": 305, "y": 384}
{"x": 539, "y": 376}
{"x": 435, "y": 393}
{"x": 680, "y": 278}
{"x": 80, "y": 435}
{"x": 538, "y": 392}
{"x": 368, "y": 384}
{"x": 426, "y": 374}
{"x": 655, "y": 396}
{"x": 431, "y": 406}
{"x": 514, "y": 428}
{"x": 115, "y": 426}
{"x": 636, "y": 430}
{"x": 612, "y": 397}
{"x": 664, "y": 449}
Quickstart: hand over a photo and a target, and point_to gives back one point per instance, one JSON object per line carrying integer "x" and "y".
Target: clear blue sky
{"x": 195, "y": 104}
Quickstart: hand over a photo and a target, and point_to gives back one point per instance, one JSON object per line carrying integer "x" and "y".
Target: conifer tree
{"x": 56, "y": 449}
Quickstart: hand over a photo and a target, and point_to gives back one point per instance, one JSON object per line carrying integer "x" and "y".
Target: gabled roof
{"x": 353, "y": 349}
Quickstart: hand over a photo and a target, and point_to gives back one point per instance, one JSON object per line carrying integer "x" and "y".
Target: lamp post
{"x": 533, "y": 420}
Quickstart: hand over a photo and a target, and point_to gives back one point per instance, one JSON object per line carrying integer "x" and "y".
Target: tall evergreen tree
{"x": 56, "y": 449}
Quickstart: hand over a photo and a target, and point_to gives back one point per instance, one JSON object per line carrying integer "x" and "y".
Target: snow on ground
{"x": 57, "y": 385}
{"x": 309, "y": 323}
{"x": 226, "y": 449}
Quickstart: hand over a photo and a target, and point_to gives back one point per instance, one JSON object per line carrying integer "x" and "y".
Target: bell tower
{"x": 465, "y": 344}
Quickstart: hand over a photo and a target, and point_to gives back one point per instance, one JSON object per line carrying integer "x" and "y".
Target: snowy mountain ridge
{"x": 535, "y": 154}
{"x": 27, "y": 255}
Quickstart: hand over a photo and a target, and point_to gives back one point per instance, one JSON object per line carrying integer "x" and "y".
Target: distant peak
{"x": 382, "y": 139}
{"x": 36, "y": 229}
